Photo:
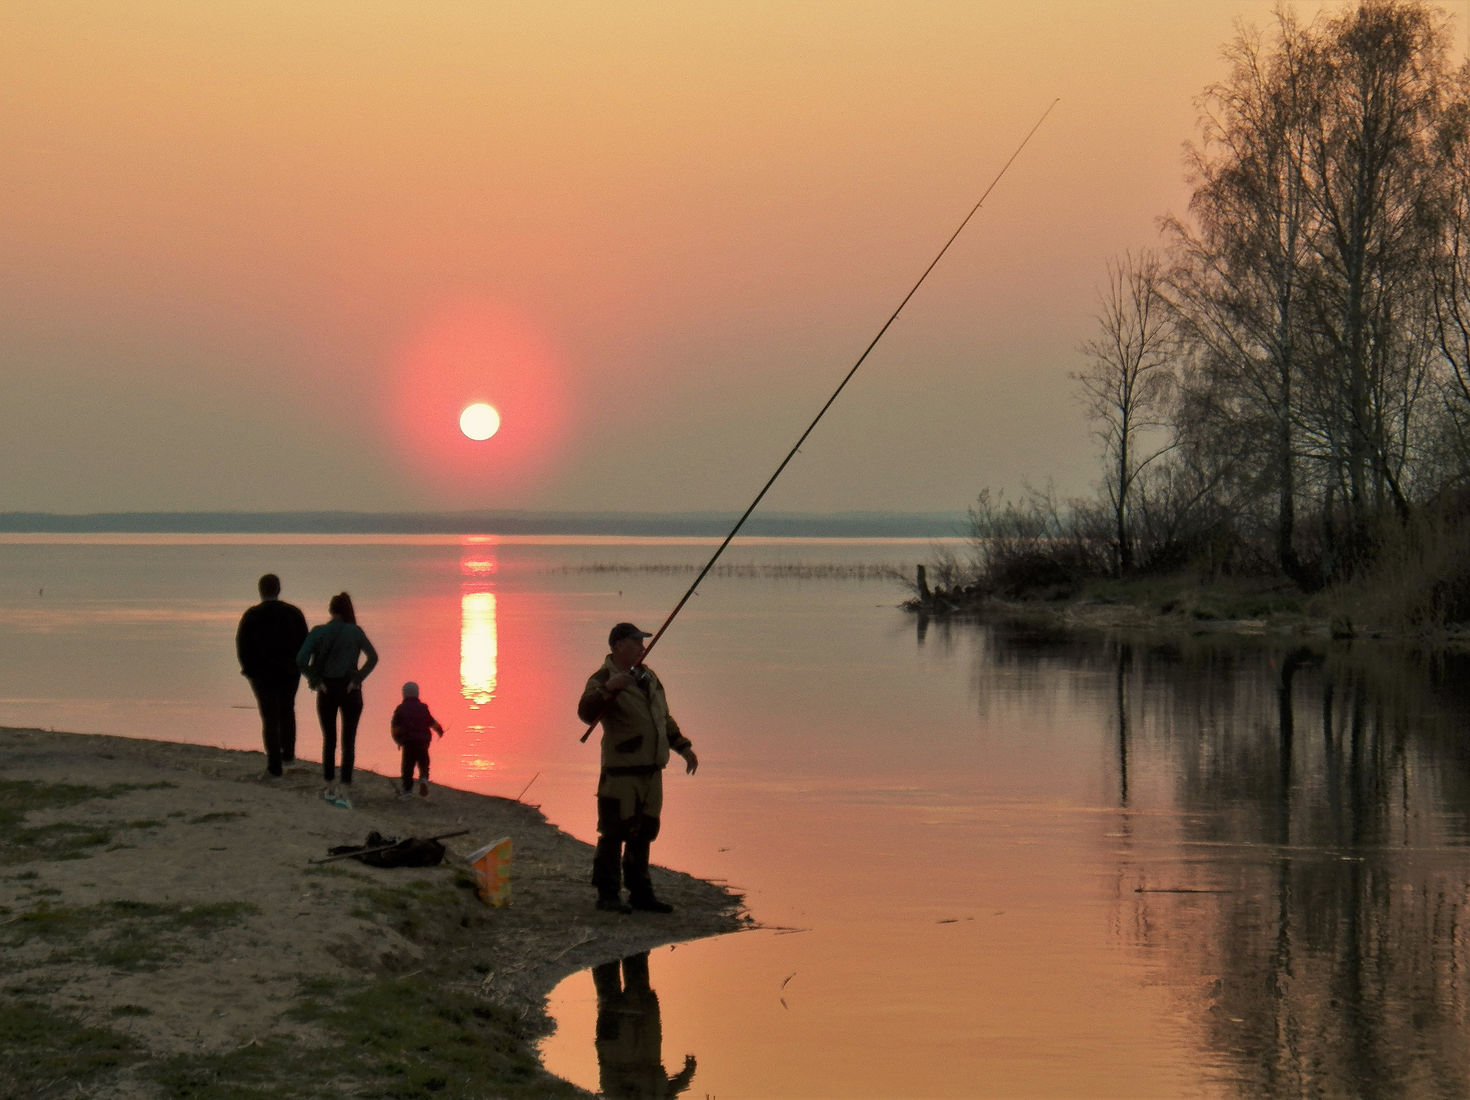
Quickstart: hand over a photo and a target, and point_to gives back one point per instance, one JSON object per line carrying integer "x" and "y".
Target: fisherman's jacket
{"x": 637, "y": 729}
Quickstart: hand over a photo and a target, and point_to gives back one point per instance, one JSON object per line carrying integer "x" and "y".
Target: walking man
{"x": 638, "y": 733}
{"x": 266, "y": 642}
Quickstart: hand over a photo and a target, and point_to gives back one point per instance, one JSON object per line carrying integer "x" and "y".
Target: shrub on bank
{"x": 1412, "y": 578}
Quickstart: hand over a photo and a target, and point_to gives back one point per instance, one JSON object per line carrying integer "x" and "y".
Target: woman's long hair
{"x": 340, "y": 605}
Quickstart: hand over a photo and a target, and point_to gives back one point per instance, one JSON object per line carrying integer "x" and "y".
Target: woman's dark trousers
{"x": 333, "y": 698}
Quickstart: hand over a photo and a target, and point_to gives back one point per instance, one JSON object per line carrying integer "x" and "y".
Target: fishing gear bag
{"x": 392, "y": 851}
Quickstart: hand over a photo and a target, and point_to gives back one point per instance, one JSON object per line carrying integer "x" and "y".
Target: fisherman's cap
{"x": 410, "y": 690}
{"x": 625, "y": 630}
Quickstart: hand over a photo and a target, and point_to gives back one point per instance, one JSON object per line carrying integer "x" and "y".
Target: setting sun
{"x": 479, "y": 421}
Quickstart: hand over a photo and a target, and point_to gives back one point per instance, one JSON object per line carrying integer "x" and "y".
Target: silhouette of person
{"x": 266, "y": 642}
{"x": 328, "y": 658}
{"x": 630, "y": 1036}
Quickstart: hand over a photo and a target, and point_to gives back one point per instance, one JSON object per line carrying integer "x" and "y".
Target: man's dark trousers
{"x": 622, "y": 852}
{"x": 276, "y": 699}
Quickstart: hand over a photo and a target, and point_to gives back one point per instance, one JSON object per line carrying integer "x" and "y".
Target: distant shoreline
{"x": 932, "y": 525}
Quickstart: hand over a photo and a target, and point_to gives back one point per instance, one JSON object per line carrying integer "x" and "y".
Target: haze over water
{"x": 987, "y": 862}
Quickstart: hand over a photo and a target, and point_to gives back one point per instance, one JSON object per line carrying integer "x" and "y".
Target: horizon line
{"x": 856, "y": 524}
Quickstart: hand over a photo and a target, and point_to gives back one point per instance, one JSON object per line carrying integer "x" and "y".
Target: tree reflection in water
{"x": 630, "y": 1034}
{"x": 1307, "y": 875}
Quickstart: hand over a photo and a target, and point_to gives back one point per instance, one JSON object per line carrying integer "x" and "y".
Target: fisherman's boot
{"x": 605, "y": 875}
{"x": 635, "y": 866}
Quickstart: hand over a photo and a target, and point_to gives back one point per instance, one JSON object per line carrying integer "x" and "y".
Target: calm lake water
{"x": 988, "y": 862}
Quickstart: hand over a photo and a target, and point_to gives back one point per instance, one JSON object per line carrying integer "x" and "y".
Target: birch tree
{"x": 1239, "y": 288}
{"x": 1127, "y": 383}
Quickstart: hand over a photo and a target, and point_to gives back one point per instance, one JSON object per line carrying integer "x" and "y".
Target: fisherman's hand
{"x": 617, "y": 682}
{"x": 691, "y": 762}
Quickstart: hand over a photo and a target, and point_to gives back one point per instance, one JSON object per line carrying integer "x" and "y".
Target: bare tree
{"x": 1239, "y": 286}
{"x": 1376, "y": 183}
{"x": 1128, "y": 382}
{"x": 1303, "y": 286}
{"x": 1452, "y": 275}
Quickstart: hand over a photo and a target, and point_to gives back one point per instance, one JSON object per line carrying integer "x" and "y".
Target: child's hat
{"x": 410, "y": 690}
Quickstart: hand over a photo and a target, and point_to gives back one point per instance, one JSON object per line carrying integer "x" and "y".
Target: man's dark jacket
{"x": 270, "y": 634}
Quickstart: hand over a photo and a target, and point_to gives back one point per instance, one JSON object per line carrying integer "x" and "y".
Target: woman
{"x": 328, "y": 660}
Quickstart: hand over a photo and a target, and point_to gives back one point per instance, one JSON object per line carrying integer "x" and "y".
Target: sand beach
{"x": 169, "y": 929}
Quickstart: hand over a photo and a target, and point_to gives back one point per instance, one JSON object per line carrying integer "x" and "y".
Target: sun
{"x": 479, "y": 421}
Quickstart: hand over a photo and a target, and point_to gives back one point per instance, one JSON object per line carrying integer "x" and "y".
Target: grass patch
{"x": 48, "y": 1054}
{"x": 62, "y": 840}
{"x": 330, "y": 870}
{"x": 424, "y": 911}
{"x": 420, "y": 1034}
{"x": 1225, "y": 599}
{"x": 260, "y": 1070}
{"x": 219, "y": 815}
{"x": 123, "y": 935}
{"x": 411, "y": 1036}
{"x": 411, "y": 909}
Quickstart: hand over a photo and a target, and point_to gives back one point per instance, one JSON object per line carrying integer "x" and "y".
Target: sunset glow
{"x": 272, "y": 245}
{"x": 471, "y": 344}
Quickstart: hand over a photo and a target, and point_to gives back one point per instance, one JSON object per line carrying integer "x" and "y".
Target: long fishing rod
{"x": 653, "y": 641}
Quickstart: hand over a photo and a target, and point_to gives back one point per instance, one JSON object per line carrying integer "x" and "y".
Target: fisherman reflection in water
{"x": 637, "y": 735}
{"x": 630, "y": 1035}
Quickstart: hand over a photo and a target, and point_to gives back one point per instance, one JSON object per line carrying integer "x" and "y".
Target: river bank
{"x": 1179, "y": 605}
{"x": 168, "y": 932}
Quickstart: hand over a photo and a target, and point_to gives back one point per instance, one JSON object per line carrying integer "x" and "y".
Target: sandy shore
{"x": 129, "y": 839}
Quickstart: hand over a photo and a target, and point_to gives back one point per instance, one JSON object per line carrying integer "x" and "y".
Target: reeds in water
{"x": 789, "y": 571}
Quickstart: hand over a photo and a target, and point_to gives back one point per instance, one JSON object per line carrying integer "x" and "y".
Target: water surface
{"x": 987, "y": 862}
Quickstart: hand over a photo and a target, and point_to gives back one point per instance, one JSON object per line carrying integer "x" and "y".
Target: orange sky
{"x": 658, "y": 234}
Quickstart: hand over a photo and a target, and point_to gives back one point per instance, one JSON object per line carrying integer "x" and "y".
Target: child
{"x": 411, "y": 725}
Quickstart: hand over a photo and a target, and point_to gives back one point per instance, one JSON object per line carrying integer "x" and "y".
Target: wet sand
{"x": 180, "y": 826}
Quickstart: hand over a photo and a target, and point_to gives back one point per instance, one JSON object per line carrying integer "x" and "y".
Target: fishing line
{"x": 653, "y": 641}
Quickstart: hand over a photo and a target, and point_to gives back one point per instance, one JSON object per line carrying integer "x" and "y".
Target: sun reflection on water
{"x": 479, "y": 648}
{"x": 479, "y": 645}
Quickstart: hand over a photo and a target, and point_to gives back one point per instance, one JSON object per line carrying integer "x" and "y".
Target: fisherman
{"x": 266, "y": 642}
{"x": 637, "y": 733}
